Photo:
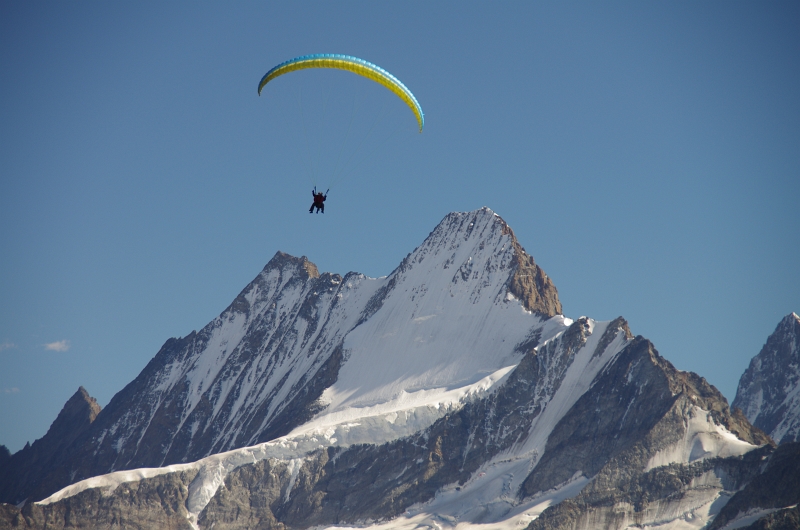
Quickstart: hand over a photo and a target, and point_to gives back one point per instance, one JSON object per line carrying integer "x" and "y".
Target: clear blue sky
{"x": 647, "y": 154}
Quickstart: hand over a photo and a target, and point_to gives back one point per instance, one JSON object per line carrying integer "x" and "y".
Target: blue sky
{"x": 647, "y": 154}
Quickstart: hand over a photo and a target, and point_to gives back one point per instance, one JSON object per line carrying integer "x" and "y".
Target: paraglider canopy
{"x": 350, "y": 64}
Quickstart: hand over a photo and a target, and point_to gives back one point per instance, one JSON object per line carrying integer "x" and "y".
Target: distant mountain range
{"x": 451, "y": 393}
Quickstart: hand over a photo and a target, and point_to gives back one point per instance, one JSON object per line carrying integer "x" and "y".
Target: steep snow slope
{"x": 295, "y": 342}
{"x": 381, "y": 423}
{"x": 447, "y": 319}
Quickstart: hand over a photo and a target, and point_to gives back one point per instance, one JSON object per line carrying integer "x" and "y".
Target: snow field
{"x": 702, "y": 439}
{"x": 435, "y": 329}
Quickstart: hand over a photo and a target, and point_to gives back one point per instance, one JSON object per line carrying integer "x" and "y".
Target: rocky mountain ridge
{"x": 37, "y": 459}
{"x": 769, "y": 390}
{"x": 668, "y": 445}
{"x": 260, "y": 368}
{"x": 502, "y": 412}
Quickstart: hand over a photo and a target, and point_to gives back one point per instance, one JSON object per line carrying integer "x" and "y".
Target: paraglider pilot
{"x": 319, "y": 201}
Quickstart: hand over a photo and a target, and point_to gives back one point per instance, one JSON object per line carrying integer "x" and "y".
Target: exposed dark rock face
{"x": 23, "y": 470}
{"x": 639, "y": 498}
{"x": 768, "y": 390}
{"x": 148, "y": 424}
{"x": 531, "y": 285}
{"x": 778, "y": 486}
{"x": 158, "y": 502}
{"x": 606, "y": 420}
{"x": 638, "y": 407}
{"x": 263, "y": 495}
{"x": 340, "y": 485}
{"x": 785, "y": 519}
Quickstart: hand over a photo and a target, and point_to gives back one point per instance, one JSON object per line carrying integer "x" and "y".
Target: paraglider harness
{"x": 319, "y": 200}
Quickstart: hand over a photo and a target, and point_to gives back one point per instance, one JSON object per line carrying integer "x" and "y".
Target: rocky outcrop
{"x": 776, "y": 488}
{"x": 23, "y": 471}
{"x": 646, "y": 434}
{"x": 675, "y": 495}
{"x": 375, "y": 481}
{"x": 158, "y": 502}
{"x": 769, "y": 390}
{"x": 184, "y": 406}
{"x": 530, "y": 283}
{"x": 785, "y": 519}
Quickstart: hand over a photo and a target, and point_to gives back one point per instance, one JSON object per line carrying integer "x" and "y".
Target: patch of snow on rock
{"x": 703, "y": 439}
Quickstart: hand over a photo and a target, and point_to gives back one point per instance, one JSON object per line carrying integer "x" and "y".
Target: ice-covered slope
{"x": 572, "y": 355}
{"x": 589, "y": 408}
{"x": 769, "y": 390}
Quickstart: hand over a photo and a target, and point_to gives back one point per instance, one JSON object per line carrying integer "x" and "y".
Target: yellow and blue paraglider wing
{"x": 351, "y": 64}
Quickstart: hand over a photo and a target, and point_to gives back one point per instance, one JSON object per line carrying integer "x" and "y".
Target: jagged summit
{"x": 447, "y": 316}
{"x": 78, "y": 413}
{"x": 37, "y": 459}
{"x": 769, "y": 390}
{"x": 450, "y": 393}
{"x": 79, "y": 409}
{"x": 295, "y": 342}
{"x": 281, "y": 260}
{"x": 480, "y": 244}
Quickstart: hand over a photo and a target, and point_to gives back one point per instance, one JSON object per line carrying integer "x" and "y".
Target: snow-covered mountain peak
{"x": 450, "y": 393}
{"x": 769, "y": 390}
{"x": 461, "y": 237}
{"x": 297, "y": 343}
{"x": 283, "y": 261}
{"x": 480, "y": 254}
{"x": 446, "y": 318}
